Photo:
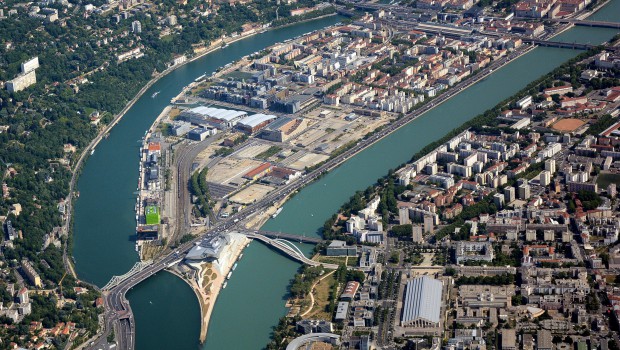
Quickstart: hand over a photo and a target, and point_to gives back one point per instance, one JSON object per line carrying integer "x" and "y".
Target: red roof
{"x": 154, "y": 146}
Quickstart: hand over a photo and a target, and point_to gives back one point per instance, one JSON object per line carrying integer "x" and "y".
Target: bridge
{"x": 290, "y": 249}
{"x": 116, "y": 280}
{"x": 587, "y": 23}
{"x": 291, "y": 237}
{"x": 278, "y": 240}
{"x": 559, "y": 44}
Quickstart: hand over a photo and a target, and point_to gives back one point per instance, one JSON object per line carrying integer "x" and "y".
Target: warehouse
{"x": 422, "y": 303}
{"x": 217, "y": 117}
{"x": 254, "y": 123}
{"x": 283, "y": 128}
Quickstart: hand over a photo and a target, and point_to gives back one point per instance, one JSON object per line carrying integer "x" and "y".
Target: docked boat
{"x": 234, "y": 266}
{"x": 225, "y": 284}
{"x": 276, "y": 213}
{"x": 228, "y": 276}
{"x": 92, "y": 151}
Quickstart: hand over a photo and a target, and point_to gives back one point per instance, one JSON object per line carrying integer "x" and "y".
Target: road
{"x": 117, "y": 308}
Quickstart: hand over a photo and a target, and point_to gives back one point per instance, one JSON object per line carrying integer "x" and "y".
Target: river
{"x": 166, "y": 310}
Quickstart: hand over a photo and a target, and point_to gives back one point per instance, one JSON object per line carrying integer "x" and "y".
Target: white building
{"x": 136, "y": 27}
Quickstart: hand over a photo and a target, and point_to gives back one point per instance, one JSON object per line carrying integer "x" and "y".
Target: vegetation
{"x": 492, "y": 280}
{"x": 601, "y": 124}
{"x": 199, "y": 188}
{"x": 269, "y": 152}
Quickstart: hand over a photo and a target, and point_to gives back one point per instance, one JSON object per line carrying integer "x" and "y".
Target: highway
{"x": 117, "y": 308}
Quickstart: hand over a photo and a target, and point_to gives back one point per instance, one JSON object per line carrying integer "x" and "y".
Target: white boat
{"x": 92, "y": 152}
{"x": 276, "y": 213}
{"x": 155, "y": 94}
{"x": 225, "y": 284}
{"x": 234, "y": 266}
{"x": 228, "y": 276}
{"x": 240, "y": 256}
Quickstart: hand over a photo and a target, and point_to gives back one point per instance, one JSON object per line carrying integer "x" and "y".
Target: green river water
{"x": 165, "y": 308}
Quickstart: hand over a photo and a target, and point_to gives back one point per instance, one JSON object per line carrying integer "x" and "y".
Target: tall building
{"x": 509, "y": 194}
{"x": 550, "y": 165}
{"x": 26, "y": 78}
{"x": 545, "y": 178}
{"x": 524, "y": 191}
{"x": 498, "y": 199}
{"x": 136, "y": 27}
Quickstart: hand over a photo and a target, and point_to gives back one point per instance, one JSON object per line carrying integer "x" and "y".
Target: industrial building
{"x": 258, "y": 171}
{"x": 217, "y": 117}
{"x": 201, "y": 133}
{"x": 254, "y": 123}
{"x": 422, "y": 303}
{"x": 283, "y": 128}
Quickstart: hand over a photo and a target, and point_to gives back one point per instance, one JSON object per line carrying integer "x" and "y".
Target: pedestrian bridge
{"x": 290, "y": 249}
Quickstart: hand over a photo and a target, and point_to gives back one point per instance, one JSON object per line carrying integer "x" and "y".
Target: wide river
{"x": 165, "y": 308}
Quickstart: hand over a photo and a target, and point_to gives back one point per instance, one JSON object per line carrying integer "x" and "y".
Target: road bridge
{"x": 559, "y": 44}
{"x": 587, "y": 23}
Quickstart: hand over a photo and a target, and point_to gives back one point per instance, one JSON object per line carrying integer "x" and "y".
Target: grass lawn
{"x": 238, "y": 75}
{"x": 338, "y": 260}
{"x": 604, "y": 179}
{"x": 321, "y": 299}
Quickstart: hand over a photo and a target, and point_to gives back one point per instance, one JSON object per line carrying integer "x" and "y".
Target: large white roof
{"x": 256, "y": 119}
{"x": 218, "y": 113}
{"x": 422, "y": 300}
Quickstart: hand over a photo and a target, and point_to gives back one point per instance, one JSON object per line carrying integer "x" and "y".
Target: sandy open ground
{"x": 251, "y": 194}
{"x": 568, "y": 124}
{"x": 307, "y": 160}
{"x": 231, "y": 168}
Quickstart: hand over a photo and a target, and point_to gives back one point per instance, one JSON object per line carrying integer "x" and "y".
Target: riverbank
{"x": 210, "y": 278}
{"x": 67, "y": 226}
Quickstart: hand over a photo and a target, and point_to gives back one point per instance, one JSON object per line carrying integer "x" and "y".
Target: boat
{"x": 276, "y": 213}
{"x": 228, "y": 276}
{"x": 225, "y": 284}
{"x": 200, "y": 77}
{"x": 155, "y": 94}
{"x": 92, "y": 151}
{"x": 240, "y": 256}
{"x": 234, "y": 266}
